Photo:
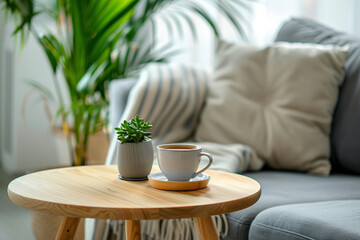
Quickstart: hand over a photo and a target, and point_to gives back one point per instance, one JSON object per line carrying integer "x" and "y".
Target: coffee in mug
{"x": 179, "y": 162}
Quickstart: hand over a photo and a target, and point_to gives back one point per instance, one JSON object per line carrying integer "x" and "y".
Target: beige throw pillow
{"x": 279, "y": 100}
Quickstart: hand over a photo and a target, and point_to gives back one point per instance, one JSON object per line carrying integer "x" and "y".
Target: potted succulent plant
{"x": 134, "y": 150}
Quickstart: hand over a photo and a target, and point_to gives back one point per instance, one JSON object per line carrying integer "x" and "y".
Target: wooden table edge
{"x": 55, "y": 209}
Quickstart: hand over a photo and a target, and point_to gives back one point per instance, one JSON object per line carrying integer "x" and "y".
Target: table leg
{"x": 206, "y": 228}
{"x": 67, "y": 228}
{"x": 133, "y": 230}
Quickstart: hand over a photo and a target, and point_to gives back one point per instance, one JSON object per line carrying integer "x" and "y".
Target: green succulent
{"x": 134, "y": 130}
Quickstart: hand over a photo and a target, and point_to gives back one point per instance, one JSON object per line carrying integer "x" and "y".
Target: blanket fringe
{"x": 171, "y": 229}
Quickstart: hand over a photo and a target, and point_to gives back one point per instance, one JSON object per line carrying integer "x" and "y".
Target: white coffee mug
{"x": 179, "y": 162}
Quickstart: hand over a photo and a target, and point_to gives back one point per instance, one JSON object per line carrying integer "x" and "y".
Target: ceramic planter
{"x": 134, "y": 160}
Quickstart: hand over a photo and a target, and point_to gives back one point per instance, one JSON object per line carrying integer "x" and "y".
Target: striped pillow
{"x": 170, "y": 96}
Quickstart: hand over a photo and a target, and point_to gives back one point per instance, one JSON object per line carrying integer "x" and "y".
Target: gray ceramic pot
{"x": 135, "y": 160}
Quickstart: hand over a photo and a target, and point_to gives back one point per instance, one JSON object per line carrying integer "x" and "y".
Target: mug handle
{"x": 207, "y": 166}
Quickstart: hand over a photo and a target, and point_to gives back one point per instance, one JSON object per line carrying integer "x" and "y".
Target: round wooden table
{"x": 97, "y": 192}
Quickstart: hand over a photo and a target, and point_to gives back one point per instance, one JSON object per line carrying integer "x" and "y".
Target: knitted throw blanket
{"x": 171, "y": 97}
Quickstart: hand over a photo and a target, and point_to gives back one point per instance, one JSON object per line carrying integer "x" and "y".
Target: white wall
{"x": 33, "y": 145}
{"x": 2, "y": 25}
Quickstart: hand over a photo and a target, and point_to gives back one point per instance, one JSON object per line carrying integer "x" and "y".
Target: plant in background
{"x": 92, "y": 42}
{"x": 134, "y": 131}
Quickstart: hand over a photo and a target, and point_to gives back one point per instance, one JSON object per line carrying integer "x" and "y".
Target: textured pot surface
{"x": 135, "y": 160}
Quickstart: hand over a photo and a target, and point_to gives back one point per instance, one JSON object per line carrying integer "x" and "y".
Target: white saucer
{"x": 158, "y": 180}
{"x": 159, "y": 176}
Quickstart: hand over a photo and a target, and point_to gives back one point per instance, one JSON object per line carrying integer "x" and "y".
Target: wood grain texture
{"x": 206, "y": 228}
{"x": 97, "y": 192}
{"x": 67, "y": 229}
{"x": 133, "y": 230}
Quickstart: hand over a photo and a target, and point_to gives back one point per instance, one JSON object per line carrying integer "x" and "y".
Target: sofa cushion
{"x": 331, "y": 220}
{"x": 346, "y": 128}
{"x": 278, "y": 100}
{"x": 280, "y": 188}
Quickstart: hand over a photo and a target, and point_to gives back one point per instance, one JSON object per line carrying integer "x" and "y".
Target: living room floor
{"x": 15, "y": 221}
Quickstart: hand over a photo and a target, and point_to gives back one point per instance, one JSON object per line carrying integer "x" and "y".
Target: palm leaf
{"x": 178, "y": 24}
{"x": 227, "y": 12}
{"x": 192, "y": 6}
{"x": 169, "y": 28}
{"x": 190, "y": 23}
{"x": 41, "y": 88}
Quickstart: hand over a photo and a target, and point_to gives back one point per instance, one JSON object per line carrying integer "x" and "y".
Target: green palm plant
{"x": 96, "y": 41}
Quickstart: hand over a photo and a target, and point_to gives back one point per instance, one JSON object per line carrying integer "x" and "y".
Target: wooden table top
{"x": 97, "y": 192}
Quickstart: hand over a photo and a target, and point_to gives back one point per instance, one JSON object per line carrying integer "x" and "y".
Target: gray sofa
{"x": 302, "y": 206}
{"x": 298, "y": 205}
